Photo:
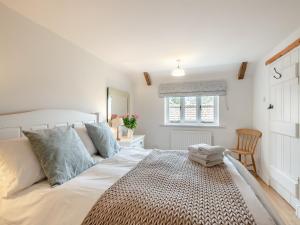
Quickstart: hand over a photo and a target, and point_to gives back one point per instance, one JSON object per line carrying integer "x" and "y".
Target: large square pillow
{"x": 87, "y": 141}
{"x": 19, "y": 167}
{"x": 103, "y": 139}
{"x": 61, "y": 153}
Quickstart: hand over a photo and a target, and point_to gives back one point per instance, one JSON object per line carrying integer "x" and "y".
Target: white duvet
{"x": 68, "y": 204}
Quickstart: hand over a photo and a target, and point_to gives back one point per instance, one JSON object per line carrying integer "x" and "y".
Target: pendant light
{"x": 178, "y": 72}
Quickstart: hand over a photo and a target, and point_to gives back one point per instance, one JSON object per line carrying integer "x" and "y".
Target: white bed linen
{"x": 68, "y": 204}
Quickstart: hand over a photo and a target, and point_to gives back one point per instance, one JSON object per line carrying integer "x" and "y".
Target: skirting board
{"x": 285, "y": 181}
{"x": 264, "y": 176}
{"x": 285, "y": 186}
{"x": 295, "y": 203}
{"x": 298, "y": 211}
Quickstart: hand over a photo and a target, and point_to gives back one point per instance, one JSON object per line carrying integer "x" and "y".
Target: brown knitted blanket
{"x": 166, "y": 188}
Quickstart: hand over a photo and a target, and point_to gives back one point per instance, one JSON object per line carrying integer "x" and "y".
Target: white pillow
{"x": 87, "y": 141}
{"x": 19, "y": 167}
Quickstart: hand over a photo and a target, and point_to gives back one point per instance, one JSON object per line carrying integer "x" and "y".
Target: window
{"x": 192, "y": 109}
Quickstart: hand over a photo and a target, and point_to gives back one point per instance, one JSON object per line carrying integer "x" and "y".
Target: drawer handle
{"x": 279, "y": 74}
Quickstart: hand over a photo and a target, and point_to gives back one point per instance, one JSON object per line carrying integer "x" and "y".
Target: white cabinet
{"x": 135, "y": 141}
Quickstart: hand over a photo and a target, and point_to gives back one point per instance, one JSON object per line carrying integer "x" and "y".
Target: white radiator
{"x": 181, "y": 139}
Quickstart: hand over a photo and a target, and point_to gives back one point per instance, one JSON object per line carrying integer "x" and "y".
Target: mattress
{"x": 68, "y": 204}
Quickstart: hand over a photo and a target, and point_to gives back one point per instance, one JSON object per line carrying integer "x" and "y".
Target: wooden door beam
{"x": 289, "y": 48}
{"x": 242, "y": 70}
{"x": 147, "y": 78}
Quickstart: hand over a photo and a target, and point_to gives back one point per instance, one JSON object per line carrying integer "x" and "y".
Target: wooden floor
{"x": 285, "y": 210}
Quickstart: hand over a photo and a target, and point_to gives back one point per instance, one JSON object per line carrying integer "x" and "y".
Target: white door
{"x": 284, "y": 145}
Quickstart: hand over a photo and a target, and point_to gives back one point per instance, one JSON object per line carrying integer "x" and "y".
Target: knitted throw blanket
{"x": 166, "y": 188}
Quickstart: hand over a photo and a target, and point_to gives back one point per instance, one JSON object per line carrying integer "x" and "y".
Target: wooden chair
{"x": 247, "y": 140}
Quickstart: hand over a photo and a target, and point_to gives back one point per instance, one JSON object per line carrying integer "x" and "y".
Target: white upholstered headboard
{"x": 11, "y": 125}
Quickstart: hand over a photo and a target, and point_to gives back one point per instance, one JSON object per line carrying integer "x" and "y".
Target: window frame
{"x": 198, "y": 120}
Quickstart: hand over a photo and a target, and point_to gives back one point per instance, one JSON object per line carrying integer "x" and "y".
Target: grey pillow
{"x": 103, "y": 139}
{"x": 61, "y": 153}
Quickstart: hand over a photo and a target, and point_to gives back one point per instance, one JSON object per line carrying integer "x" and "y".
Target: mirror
{"x": 117, "y": 102}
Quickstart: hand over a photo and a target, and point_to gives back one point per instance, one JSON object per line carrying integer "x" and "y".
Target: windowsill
{"x": 191, "y": 125}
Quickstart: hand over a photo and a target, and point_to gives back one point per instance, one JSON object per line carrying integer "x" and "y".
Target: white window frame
{"x": 198, "y": 121}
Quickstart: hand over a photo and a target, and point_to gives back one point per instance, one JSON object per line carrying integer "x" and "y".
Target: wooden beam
{"x": 242, "y": 70}
{"x": 289, "y": 48}
{"x": 147, "y": 78}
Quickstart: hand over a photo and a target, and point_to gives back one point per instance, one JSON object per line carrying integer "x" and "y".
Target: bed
{"x": 71, "y": 202}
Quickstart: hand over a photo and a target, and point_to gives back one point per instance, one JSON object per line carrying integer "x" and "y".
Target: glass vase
{"x": 130, "y": 133}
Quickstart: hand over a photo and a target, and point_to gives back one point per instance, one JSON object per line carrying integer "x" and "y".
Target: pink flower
{"x": 113, "y": 116}
{"x": 136, "y": 116}
{"x": 125, "y": 116}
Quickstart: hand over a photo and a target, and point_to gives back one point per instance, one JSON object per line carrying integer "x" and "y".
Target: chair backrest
{"x": 247, "y": 139}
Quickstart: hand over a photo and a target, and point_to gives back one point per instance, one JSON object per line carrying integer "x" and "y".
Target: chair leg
{"x": 245, "y": 160}
{"x": 253, "y": 163}
{"x": 240, "y": 157}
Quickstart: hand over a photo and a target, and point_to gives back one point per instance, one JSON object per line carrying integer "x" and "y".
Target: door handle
{"x": 270, "y": 106}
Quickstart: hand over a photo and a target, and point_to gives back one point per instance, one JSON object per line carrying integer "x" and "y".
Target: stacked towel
{"x": 206, "y": 155}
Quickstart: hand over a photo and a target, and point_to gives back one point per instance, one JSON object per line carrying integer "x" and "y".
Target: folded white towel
{"x": 206, "y": 149}
{"x": 212, "y": 157}
{"x": 206, "y": 163}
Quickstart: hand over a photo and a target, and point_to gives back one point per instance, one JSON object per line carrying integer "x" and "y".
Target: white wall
{"x": 39, "y": 69}
{"x": 151, "y": 109}
{"x": 261, "y": 102}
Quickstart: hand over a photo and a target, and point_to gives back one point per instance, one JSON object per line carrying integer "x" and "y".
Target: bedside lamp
{"x": 116, "y": 123}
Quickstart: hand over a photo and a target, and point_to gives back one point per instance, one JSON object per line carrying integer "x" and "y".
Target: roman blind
{"x": 199, "y": 88}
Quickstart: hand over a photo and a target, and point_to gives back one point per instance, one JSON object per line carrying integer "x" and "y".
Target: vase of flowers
{"x": 130, "y": 122}
{"x": 130, "y": 133}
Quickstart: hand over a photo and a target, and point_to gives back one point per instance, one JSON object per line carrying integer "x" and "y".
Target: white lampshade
{"x": 178, "y": 72}
{"x": 116, "y": 122}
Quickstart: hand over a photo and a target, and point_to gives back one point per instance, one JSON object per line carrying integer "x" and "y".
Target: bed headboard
{"x": 11, "y": 125}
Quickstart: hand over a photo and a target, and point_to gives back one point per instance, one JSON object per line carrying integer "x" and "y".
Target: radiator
{"x": 181, "y": 139}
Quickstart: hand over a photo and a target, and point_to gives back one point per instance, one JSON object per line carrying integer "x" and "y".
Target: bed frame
{"x": 11, "y": 125}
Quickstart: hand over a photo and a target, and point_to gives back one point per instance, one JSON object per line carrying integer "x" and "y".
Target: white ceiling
{"x": 149, "y": 35}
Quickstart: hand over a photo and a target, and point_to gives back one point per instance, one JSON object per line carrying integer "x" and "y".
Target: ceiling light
{"x": 178, "y": 72}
